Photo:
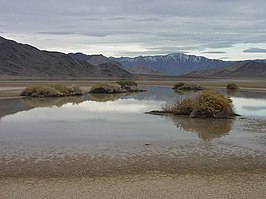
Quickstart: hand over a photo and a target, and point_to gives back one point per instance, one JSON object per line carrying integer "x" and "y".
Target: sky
{"x": 219, "y": 29}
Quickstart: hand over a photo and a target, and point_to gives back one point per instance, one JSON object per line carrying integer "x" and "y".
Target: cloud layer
{"x": 134, "y": 27}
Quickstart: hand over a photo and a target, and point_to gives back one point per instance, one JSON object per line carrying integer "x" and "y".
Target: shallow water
{"x": 95, "y": 128}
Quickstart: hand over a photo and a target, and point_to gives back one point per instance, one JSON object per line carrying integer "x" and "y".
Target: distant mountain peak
{"x": 172, "y": 64}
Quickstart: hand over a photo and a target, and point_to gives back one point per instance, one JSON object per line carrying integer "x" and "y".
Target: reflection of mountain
{"x": 49, "y": 102}
{"x": 11, "y": 106}
{"x": 102, "y": 97}
{"x": 207, "y": 129}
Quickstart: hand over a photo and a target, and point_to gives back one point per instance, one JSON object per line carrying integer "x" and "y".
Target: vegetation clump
{"x": 207, "y": 104}
{"x": 125, "y": 83}
{"x": 120, "y": 87}
{"x": 232, "y": 86}
{"x": 107, "y": 88}
{"x": 129, "y": 85}
{"x": 184, "y": 86}
{"x": 51, "y": 90}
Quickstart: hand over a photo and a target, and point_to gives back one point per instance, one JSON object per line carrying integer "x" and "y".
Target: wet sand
{"x": 149, "y": 185}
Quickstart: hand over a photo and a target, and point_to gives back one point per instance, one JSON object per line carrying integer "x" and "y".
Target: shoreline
{"x": 12, "y": 89}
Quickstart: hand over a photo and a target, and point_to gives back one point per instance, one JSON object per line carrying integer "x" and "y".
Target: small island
{"x": 181, "y": 86}
{"x": 51, "y": 90}
{"x": 207, "y": 104}
{"x": 124, "y": 86}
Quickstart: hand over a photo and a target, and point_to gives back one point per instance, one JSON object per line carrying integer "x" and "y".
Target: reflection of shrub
{"x": 51, "y": 90}
{"x": 207, "y": 104}
{"x": 232, "y": 92}
{"x": 207, "y": 129}
{"x": 232, "y": 86}
{"x": 183, "y": 86}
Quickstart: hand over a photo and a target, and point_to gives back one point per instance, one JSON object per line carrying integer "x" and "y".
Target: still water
{"x": 95, "y": 123}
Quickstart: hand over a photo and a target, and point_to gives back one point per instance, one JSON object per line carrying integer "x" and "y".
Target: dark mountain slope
{"x": 241, "y": 69}
{"x": 24, "y": 60}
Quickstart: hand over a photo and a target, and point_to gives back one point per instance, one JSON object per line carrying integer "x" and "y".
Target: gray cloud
{"x": 214, "y": 52}
{"x": 57, "y": 33}
{"x": 255, "y": 50}
{"x": 135, "y": 27}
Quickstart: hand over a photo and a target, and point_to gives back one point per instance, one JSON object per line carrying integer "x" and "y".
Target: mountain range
{"x": 23, "y": 60}
{"x": 243, "y": 69}
{"x": 172, "y": 64}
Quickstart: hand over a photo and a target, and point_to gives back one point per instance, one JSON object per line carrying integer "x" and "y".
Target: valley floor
{"x": 11, "y": 89}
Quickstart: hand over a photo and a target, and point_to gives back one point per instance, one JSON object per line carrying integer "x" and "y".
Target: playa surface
{"x": 11, "y": 89}
{"x": 149, "y": 185}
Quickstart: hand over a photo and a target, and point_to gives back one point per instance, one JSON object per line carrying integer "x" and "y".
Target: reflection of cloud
{"x": 90, "y": 110}
{"x": 258, "y": 108}
{"x": 119, "y": 106}
{"x": 102, "y": 97}
{"x": 207, "y": 129}
{"x": 255, "y": 106}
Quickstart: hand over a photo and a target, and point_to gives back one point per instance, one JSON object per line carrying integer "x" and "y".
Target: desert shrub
{"x": 182, "y": 107}
{"x": 207, "y": 104}
{"x": 126, "y": 83}
{"x": 51, "y": 90}
{"x": 106, "y": 88}
{"x": 232, "y": 86}
{"x": 178, "y": 85}
{"x": 183, "y": 86}
{"x": 212, "y": 104}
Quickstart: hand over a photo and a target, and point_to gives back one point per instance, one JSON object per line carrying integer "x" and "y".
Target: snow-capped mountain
{"x": 172, "y": 64}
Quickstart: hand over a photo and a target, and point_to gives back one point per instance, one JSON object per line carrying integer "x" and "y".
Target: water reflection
{"x": 107, "y": 97}
{"x": 250, "y": 107}
{"x": 232, "y": 92}
{"x": 50, "y": 102}
{"x": 207, "y": 129}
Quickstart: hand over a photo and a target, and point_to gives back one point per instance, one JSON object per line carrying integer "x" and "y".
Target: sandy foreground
{"x": 150, "y": 185}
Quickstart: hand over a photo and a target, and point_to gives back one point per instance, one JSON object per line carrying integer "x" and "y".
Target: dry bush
{"x": 51, "y": 90}
{"x": 206, "y": 104}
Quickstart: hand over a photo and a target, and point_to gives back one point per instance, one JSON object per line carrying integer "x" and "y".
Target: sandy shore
{"x": 150, "y": 185}
{"x": 11, "y": 89}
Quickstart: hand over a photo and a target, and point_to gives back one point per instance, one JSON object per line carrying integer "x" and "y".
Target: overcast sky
{"x": 223, "y": 29}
